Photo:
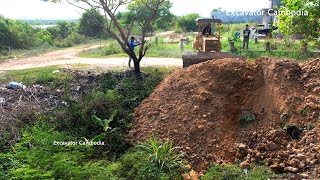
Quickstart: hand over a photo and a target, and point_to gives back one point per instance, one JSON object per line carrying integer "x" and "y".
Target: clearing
{"x": 68, "y": 56}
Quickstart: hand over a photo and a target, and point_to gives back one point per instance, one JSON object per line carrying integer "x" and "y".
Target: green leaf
{"x": 99, "y": 138}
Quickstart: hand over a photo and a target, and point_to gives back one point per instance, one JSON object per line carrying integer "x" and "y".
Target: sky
{"x": 37, "y": 9}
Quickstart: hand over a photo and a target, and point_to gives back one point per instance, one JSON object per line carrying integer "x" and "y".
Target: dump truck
{"x": 208, "y": 46}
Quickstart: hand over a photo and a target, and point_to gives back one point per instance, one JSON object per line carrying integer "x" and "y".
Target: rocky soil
{"x": 262, "y": 112}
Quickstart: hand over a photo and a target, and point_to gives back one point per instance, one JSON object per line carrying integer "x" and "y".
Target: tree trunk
{"x": 137, "y": 70}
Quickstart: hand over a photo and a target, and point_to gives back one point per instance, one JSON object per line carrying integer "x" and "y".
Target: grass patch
{"x": 162, "y": 49}
{"x": 234, "y": 172}
{"x": 112, "y": 49}
{"x": 22, "y": 53}
{"x": 47, "y": 75}
{"x": 36, "y": 157}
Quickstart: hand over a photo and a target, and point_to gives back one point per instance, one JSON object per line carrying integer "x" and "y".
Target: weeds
{"x": 234, "y": 172}
{"x": 304, "y": 112}
{"x": 247, "y": 117}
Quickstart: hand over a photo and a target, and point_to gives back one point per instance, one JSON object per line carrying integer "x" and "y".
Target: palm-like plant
{"x": 163, "y": 154}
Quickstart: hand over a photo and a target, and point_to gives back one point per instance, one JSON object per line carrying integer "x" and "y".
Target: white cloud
{"x": 37, "y": 9}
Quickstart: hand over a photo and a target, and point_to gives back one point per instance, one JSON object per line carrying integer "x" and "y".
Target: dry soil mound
{"x": 223, "y": 110}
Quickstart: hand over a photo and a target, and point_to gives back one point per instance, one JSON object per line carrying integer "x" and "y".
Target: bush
{"x": 140, "y": 163}
{"x": 162, "y": 154}
{"x": 111, "y": 49}
{"x": 187, "y": 23}
{"x": 77, "y": 38}
{"x": 63, "y": 43}
{"x": 43, "y": 37}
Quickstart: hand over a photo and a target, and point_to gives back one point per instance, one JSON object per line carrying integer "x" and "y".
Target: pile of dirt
{"x": 219, "y": 111}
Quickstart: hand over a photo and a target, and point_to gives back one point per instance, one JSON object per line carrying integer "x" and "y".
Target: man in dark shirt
{"x": 246, "y": 35}
{"x": 207, "y": 29}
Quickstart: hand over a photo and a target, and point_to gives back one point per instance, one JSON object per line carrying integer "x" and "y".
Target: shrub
{"x": 111, "y": 49}
{"x": 140, "y": 163}
{"x": 63, "y": 43}
{"x": 43, "y": 37}
{"x": 77, "y": 38}
{"x": 247, "y": 117}
{"x": 162, "y": 154}
{"x": 187, "y": 23}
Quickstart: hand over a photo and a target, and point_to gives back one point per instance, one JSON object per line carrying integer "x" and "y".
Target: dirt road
{"x": 68, "y": 56}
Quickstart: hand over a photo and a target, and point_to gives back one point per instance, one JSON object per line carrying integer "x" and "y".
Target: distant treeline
{"x": 17, "y": 34}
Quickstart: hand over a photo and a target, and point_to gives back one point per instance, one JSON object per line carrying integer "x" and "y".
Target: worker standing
{"x": 246, "y": 36}
{"x": 132, "y": 45}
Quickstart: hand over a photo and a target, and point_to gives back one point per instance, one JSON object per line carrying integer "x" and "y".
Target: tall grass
{"x": 163, "y": 154}
{"x": 234, "y": 172}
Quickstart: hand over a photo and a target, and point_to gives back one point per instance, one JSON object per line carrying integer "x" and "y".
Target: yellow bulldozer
{"x": 207, "y": 43}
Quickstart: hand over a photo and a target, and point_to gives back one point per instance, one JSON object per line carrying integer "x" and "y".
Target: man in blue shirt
{"x": 246, "y": 35}
{"x": 132, "y": 45}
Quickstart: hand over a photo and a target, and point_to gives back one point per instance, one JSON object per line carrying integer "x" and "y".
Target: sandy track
{"x": 68, "y": 57}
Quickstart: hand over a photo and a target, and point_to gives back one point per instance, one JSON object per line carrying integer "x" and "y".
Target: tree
{"x": 43, "y": 37}
{"x": 92, "y": 23}
{"x": 188, "y": 22}
{"x": 66, "y": 28}
{"x": 300, "y": 17}
{"x": 164, "y": 19}
{"x": 114, "y": 28}
{"x": 15, "y": 33}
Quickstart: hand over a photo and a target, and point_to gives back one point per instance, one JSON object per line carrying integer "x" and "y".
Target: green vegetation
{"x": 91, "y": 24}
{"x": 234, "y": 172}
{"x": 306, "y": 25}
{"x": 20, "y": 39}
{"x": 247, "y": 117}
{"x": 46, "y": 76}
{"x": 107, "y": 109}
{"x": 164, "y": 19}
{"x": 162, "y": 154}
{"x": 36, "y": 157}
{"x": 163, "y": 49}
{"x": 187, "y": 23}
